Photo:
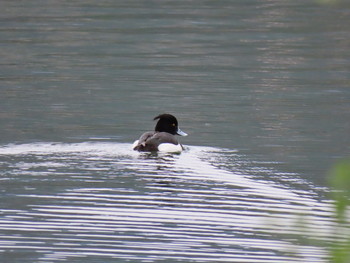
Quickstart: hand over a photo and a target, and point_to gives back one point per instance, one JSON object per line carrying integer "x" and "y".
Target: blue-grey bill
{"x": 181, "y": 133}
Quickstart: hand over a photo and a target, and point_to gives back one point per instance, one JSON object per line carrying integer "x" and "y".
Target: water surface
{"x": 103, "y": 201}
{"x": 262, "y": 88}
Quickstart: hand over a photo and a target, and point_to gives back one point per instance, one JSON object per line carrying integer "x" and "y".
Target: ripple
{"x": 103, "y": 199}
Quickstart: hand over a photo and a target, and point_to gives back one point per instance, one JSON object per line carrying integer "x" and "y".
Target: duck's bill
{"x": 181, "y": 133}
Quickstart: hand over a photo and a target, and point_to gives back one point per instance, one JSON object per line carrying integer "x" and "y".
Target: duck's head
{"x": 168, "y": 123}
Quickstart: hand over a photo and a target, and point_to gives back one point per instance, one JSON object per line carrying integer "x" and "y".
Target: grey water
{"x": 261, "y": 87}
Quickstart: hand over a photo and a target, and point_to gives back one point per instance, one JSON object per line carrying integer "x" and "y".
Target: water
{"x": 262, "y": 88}
{"x": 102, "y": 201}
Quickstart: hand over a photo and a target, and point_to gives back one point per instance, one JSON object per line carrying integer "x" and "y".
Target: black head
{"x": 168, "y": 123}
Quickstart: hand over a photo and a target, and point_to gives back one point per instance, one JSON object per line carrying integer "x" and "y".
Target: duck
{"x": 163, "y": 137}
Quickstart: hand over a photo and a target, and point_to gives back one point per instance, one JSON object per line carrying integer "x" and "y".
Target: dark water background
{"x": 262, "y": 88}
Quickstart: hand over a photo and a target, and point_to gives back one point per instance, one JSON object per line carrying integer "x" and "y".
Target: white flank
{"x": 169, "y": 147}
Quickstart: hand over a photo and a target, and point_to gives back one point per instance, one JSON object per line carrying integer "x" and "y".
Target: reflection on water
{"x": 102, "y": 200}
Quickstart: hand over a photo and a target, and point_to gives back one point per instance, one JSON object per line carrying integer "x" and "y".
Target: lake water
{"x": 261, "y": 87}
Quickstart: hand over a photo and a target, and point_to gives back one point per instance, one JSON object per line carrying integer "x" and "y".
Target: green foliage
{"x": 340, "y": 182}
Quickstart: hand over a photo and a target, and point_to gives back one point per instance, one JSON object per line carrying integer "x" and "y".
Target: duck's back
{"x": 141, "y": 144}
{"x": 149, "y": 141}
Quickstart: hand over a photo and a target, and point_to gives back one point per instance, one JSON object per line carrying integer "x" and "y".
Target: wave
{"x": 104, "y": 199}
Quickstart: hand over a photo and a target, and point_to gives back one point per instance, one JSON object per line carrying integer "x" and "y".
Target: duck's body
{"x": 163, "y": 138}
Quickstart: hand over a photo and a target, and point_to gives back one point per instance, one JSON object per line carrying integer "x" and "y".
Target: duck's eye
{"x": 173, "y": 125}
